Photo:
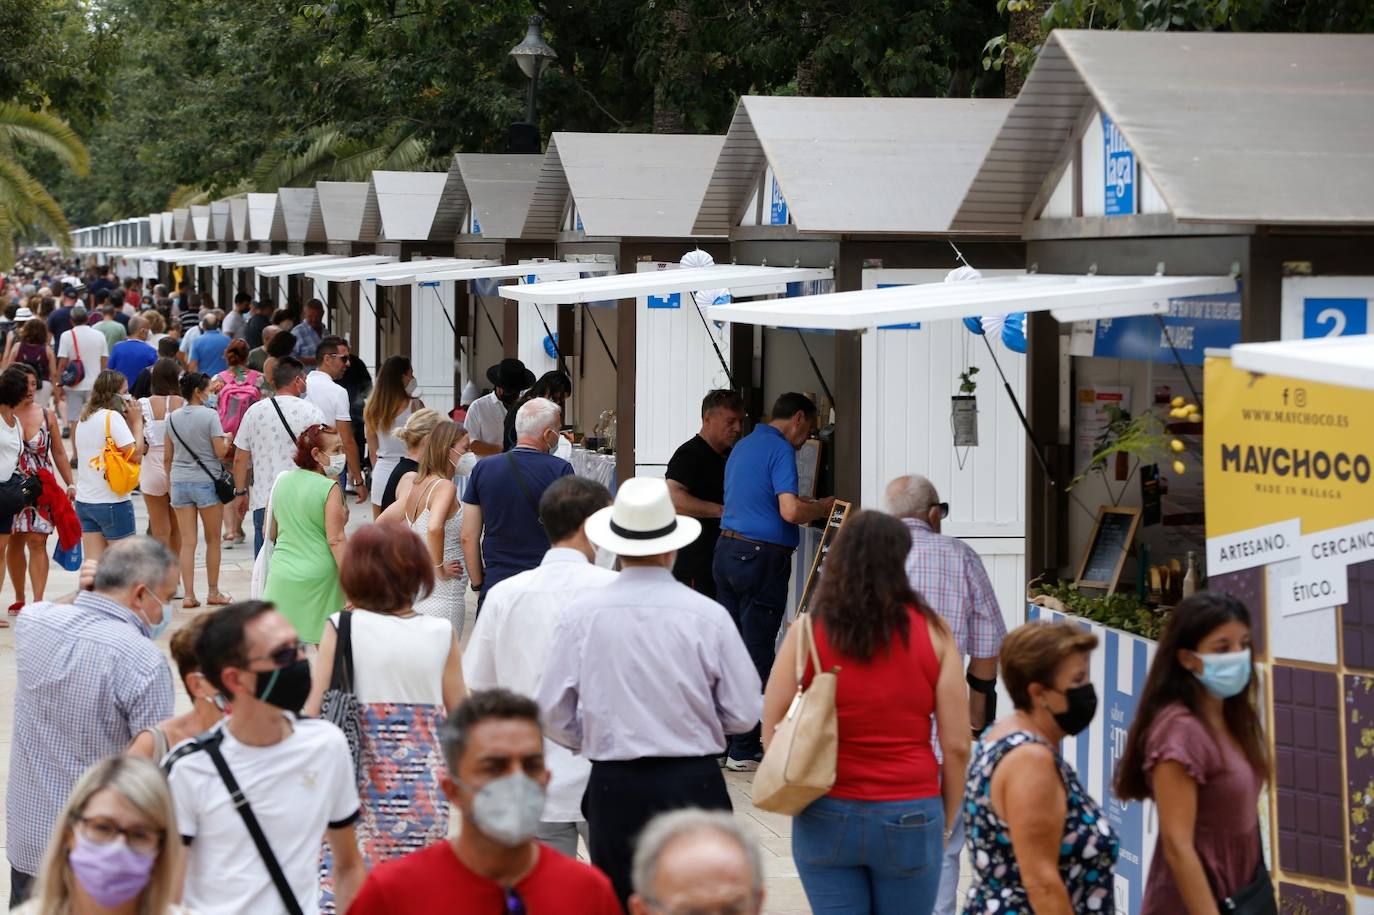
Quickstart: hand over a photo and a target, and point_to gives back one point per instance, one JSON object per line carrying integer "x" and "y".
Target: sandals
{"x": 218, "y": 599}
{"x": 189, "y": 603}
{"x": 16, "y": 607}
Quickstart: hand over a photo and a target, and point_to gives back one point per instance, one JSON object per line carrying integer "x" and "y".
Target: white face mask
{"x": 411, "y": 386}
{"x": 337, "y": 463}
{"x": 465, "y": 464}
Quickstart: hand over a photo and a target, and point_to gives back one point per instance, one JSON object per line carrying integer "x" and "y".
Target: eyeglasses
{"x": 514, "y": 904}
{"x": 283, "y": 656}
{"x": 142, "y": 840}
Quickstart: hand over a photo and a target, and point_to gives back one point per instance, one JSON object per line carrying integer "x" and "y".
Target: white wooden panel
{"x": 1151, "y": 201}
{"x": 531, "y": 340}
{"x": 675, "y": 366}
{"x": 1094, "y": 176}
{"x": 431, "y": 346}
{"x": 321, "y": 291}
{"x": 1060, "y": 204}
{"x": 366, "y": 344}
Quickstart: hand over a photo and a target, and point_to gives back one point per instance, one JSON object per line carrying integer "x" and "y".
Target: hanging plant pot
{"x": 963, "y": 420}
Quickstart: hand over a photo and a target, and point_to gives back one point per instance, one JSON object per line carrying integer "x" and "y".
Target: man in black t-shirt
{"x": 696, "y": 479}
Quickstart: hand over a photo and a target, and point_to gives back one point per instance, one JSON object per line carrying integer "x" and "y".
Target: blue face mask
{"x": 1225, "y": 675}
{"x": 155, "y": 631}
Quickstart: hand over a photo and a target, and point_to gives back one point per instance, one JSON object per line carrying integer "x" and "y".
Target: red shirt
{"x": 883, "y": 707}
{"x": 435, "y": 881}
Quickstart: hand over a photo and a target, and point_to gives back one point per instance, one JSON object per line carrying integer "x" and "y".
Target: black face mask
{"x": 287, "y": 688}
{"x": 1082, "y": 708}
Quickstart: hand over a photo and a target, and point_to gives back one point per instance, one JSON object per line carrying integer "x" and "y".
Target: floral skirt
{"x": 403, "y": 808}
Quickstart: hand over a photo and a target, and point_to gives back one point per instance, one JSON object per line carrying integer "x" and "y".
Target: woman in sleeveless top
{"x": 407, "y": 674}
{"x": 27, "y": 550}
{"x": 429, "y": 506}
{"x": 207, "y": 705}
{"x": 1196, "y": 748}
{"x": 152, "y": 481}
{"x": 388, "y": 406}
{"x": 874, "y": 842}
{"x": 1039, "y": 842}
{"x": 31, "y": 347}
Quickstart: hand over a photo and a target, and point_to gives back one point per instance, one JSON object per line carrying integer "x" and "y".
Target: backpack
{"x": 238, "y": 394}
{"x": 35, "y": 355}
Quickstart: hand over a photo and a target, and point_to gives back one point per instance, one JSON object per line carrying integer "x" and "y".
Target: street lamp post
{"x": 532, "y": 54}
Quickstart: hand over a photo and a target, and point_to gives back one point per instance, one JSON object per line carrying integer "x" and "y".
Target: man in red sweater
{"x": 494, "y": 747}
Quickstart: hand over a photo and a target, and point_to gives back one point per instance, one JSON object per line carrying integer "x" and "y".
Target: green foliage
{"x": 1142, "y": 438}
{"x": 1122, "y": 610}
{"x": 967, "y": 383}
{"x": 26, "y": 206}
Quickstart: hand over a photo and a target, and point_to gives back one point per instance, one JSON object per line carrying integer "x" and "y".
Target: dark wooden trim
{"x": 626, "y": 348}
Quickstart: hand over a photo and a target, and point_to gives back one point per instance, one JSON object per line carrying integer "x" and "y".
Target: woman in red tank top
{"x": 875, "y": 842}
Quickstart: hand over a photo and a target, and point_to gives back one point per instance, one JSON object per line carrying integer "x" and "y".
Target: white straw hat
{"x": 642, "y": 521}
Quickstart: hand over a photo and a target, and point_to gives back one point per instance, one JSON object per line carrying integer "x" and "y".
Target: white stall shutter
{"x": 432, "y": 343}
{"x": 674, "y": 368}
{"x": 908, "y": 379}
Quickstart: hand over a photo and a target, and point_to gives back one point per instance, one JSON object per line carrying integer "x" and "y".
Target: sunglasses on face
{"x": 283, "y": 656}
{"x": 944, "y": 509}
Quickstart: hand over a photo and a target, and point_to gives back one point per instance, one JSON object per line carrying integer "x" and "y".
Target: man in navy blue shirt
{"x": 130, "y": 357}
{"x": 758, "y": 534}
{"x": 502, "y": 535}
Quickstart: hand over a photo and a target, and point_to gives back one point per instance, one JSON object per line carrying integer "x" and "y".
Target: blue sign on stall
{"x": 476, "y": 226}
{"x": 671, "y": 300}
{"x": 1194, "y": 323}
{"x": 1118, "y": 163}
{"x": 1334, "y": 317}
{"x": 777, "y": 207}
{"x": 1127, "y": 662}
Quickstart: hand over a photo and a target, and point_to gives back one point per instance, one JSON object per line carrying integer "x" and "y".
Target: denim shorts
{"x": 112, "y": 520}
{"x": 201, "y": 495}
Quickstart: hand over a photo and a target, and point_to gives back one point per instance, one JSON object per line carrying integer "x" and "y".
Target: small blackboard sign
{"x": 1112, "y": 537}
{"x": 838, "y": 515}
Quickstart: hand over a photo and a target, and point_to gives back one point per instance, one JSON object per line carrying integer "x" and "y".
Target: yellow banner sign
{"x": 1277, "y": 448}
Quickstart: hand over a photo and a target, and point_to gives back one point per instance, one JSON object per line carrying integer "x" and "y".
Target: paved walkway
{"x": 784, "y": 892}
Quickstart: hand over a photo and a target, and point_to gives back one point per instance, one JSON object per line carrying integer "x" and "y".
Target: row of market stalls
{"x": 992, "y": 293}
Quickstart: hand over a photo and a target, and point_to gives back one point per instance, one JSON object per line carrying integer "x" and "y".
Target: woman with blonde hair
{"x": 115, "y": 847}
{"x": 388, "y": 406}
{"x": 413, "y": 435}
{"x": 105, "y": 515}
{"x": 428, "y": 503}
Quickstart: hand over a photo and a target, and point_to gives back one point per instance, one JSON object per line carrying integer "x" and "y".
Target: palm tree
{"x": 327, "y": 153}
{"x": 25, "y": 205}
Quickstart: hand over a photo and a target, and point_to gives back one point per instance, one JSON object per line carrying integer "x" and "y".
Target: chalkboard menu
{"x": 1112, "y": 537}
{"x": 838, "y": 515}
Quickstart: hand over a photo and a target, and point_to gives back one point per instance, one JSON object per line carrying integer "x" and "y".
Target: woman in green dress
{"x": 307, "y": 528}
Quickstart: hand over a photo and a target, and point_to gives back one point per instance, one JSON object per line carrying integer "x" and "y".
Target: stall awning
{"x": 1345, "y": 361}
{"x": 419, "y": 271}
{"x": 309, "y": 262}
{"x": 356, "y": 272}
{"x": 209, "y": 258}
{"x": 247, "y": 261}
{"x": 167, "y": 255}
{"x": 740, "y": 279}
{"x": 493, "y": 271}
{"x": 1068, "y": 298}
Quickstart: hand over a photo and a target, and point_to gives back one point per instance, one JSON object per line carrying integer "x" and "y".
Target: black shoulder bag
{"x": 282, "y": 416}
{"x": 210, "y": 744}
{"x": 1257, "y": 896}
{"x": 520, "y": 481}
{"x": 340, "y": 705}
{"x": 224, "y": 480}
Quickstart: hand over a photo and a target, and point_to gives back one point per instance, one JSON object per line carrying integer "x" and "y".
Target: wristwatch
{"x": 241, "y": 492}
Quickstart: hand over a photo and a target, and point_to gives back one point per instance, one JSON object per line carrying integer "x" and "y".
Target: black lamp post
{"x": 532, "y": 54}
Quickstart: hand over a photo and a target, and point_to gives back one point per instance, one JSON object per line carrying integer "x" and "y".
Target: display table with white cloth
{"x": 594, "y": 466}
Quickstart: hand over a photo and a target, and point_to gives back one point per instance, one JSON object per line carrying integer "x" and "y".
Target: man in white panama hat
{"x": 646, "y": 679}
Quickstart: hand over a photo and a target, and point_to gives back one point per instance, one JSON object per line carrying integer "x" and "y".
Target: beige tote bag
{"x": 799, "y": 766}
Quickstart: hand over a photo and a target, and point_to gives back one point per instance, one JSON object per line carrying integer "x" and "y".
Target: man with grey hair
{"x": 502, "y": 535}
{"x": 697, "y": 861}
{"x": 88, "y": 346}
{"x": 131, "y": 356}
{"x": 950, "y": 576}
{"x": 89, "y": 679}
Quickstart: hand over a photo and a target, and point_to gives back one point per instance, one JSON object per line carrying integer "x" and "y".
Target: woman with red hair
{"x": 306, "y": 526}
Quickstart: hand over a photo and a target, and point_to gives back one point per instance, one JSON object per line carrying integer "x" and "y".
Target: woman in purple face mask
{"x": 115, "y": 847}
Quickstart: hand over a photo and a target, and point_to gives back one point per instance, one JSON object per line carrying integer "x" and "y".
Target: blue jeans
{"x": 259, "y": 514}
{"x": 879, "y": 857}
{"x": 199, "y": 494}
{"x": 111, "y": 520}
{"x": 751, "y": 583}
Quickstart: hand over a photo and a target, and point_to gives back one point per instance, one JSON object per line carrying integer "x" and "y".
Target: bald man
{"x": 695, "y": 861}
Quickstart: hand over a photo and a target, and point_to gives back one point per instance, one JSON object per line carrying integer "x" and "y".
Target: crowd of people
{"x": 348, "y": 747}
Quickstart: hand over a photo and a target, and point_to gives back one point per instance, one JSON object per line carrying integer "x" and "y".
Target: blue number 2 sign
{"x": 1334, "y": 317}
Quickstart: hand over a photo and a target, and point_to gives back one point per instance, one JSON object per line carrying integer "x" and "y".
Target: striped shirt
{"x": 948, "y": 575}
{"x": 88, "y": 680}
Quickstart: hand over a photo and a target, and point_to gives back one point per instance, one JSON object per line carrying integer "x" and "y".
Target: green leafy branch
{"x": 1122, "y": 610}
{"x": 967, "y": 383}
{"x": 1141, "y": 437}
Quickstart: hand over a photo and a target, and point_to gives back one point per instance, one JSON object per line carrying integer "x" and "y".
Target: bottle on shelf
{"x": 1190, "y": 575}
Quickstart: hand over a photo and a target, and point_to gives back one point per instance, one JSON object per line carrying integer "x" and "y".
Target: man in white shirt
{"x": 322, "y": 388}
{"x": 295, "y": 776}
{"x": 87, "y": 345}
{"x": 237, "y": 317}
{"x": 691, "y": 682}
{"x": 266, "y": 440}
{"x": 486, "y": 419}
{"x": 511, "y": 643}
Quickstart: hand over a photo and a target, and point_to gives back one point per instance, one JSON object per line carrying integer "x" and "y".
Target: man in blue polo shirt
{"x": 758, "y": 534}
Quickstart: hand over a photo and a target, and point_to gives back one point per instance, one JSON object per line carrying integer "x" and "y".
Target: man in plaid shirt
{"x": 90, "y": 679}
{"x": 949, "y": 576}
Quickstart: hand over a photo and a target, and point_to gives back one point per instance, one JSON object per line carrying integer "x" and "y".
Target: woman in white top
{"x": 407, "y": 674}
{"x": 428, "y": 503}
{"x": 115, "y": 846}
{"x": 387, "y": 407}
{"x": 105, "y": 515}
{"x": 14, "y": 390}
{"x": 152, "y": 481}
